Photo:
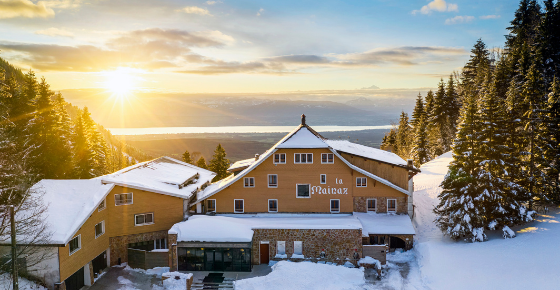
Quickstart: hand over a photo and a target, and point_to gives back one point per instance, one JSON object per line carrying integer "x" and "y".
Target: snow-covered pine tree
{"x": 552, "y": 131}
{"x": 187, "y": 157}
{"x": 459, "y": 213}
{"x": 219, "y": 163}
{"x": 63, "y": 131}
{"x": 420, "y": 152}
{"x": 451, "y": 111}
{"x": 418, "y": 111}
{"x": 549, "y": 42}
{"x": 503, "y": 200}
{"x": 479, "y": 57}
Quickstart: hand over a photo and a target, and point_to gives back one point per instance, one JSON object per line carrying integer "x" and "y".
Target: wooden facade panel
{"x": 340, "y": 184}
{"x": 394, "y": 174}
{"x": 167, "y": 210}
{"x": 119, "y": 221}
{"x": 90, "y": 246}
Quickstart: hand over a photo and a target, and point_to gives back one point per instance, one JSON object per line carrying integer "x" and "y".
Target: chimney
{"x": 303, "y": 119}
{"x": 256, "y": 157}
{"x": 409, "y": 163}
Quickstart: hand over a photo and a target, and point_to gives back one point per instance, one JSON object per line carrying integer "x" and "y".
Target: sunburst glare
{"x": 121, "y": 82}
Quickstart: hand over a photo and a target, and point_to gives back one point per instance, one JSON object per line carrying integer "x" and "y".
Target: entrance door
{"x": 264, "y": 253}
{"x": 76, "y": 281}
{"x": 100, "y": 263}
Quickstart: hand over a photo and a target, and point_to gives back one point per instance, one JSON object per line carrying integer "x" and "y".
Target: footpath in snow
{"x": 529, "y": 261}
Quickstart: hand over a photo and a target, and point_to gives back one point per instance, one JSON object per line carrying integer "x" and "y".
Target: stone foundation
{"x": 337, "y": 243}
{"x": 119, "y": 245}
{"x": 360, "y": 204}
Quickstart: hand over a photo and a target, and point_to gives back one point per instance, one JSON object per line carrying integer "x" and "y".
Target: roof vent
{"x": 303, "y": 119}
{"x": 256, "y": 157}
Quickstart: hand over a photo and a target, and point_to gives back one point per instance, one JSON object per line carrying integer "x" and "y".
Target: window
{"x": 280, "y": 158}
{"x": 75, "y": 244}
{"x": 101, "y": 206}
{"x": 391, "y": 205}
{"x": 238, "y": 206}
{"x": 281, "y": 248}
{"x": 143, "y": 219}
{"x": 249, "y": 182}
{"x": 272, "y": 205}
{"x": 302, "y": 158}
{"x": 372, "y": 205}
{"x": 99, "y": 229}
{"x": 335, "y": 205}
{"x": 377, "y": 240}
{"x": 298, "y": 248}
{"x": 323, "y": 179}
{"x": 160, "y": 243}
{"x": 272, "y": 180}
{"x": 123, "y": 198}
{"x": 302, "y": 190}
{"x": 211, "y": 205}
{"x": 361, "y": 182}
{"x": 327, "y": 158}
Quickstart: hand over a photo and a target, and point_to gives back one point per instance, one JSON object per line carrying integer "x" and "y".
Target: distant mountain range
{"x": 194, "y": 110}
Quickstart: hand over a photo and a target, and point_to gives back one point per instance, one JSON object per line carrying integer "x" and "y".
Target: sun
{"x": 120, "y": 82}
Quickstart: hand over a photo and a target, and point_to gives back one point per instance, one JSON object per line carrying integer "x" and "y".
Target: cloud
{"x": 24, "y": 8}
{"x": 260, "y": 11}
{"x": 437, "y": 5}
{"x": 299, "y": 59}
{"x": 459, "y": 19}
{"x": 213, "y": 2}
{"x": 55, "y": 32}
{"x": 404, "y": 55}
{"x": 489, "y": 17}
{"x": 147, "y": 49}
{"x": 195, "y": 10}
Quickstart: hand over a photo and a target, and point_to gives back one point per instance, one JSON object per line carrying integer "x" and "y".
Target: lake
{"x": 235, "y": 129}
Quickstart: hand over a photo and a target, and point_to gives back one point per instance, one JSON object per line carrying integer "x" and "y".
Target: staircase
{"x": 214, "y": 281}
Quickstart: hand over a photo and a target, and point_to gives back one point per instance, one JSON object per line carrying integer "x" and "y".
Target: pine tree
{"x": 97, "y": 143}
{"x": 83, "y": 154}
{"x": 420, "y": 152}
{"x": 437, "y": 121}
{"x": 187, "y": 157}
{"x": 533, "y": 123}
{"x": 202, "y": 163}
{"x": 479, "y": 57}
{"x": 389, "y": 141}
{"x": 459, "y": 212}
{"x": 549, "y": 42}
{"x": 503, "y": 200}
{"x": 404, "y": 137}
{"x": 219, "y": 163}
{"x": 452, "y": 108}
{"x": 418, "y": 111}
{"x": 552, "y": 148}
{"x": 63, "y": 133}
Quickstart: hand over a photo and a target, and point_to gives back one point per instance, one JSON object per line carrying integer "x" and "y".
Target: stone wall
{"x": 337, "y": 243}
{"x": 119, "y": 245}
{"x": 360, "y": 204}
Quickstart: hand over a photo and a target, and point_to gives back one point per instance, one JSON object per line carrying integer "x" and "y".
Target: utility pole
{"x": 14, "y": 249}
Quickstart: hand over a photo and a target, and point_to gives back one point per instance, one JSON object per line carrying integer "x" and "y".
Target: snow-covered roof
{"x": 241, "y": 164}
{"x": 303, "y": 138}
{"x": 239, "y": 228}
{"x": 68, "y": 204}
{"x": 367, "y": 152}
{"x": 383, "y": 223}
{"x": 162, "y": 175}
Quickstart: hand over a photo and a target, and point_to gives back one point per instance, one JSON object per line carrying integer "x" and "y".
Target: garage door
{"x": 76, "y": 281}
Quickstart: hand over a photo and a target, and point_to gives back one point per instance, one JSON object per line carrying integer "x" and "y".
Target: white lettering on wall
{"x": 328, "y": 190}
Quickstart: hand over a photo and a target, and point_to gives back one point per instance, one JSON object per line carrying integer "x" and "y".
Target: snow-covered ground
{"x": 24, "y": 284}
{"x": 529, "y": 261}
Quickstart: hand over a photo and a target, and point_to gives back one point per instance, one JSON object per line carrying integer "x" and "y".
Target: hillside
{"x": 529, "y": 261}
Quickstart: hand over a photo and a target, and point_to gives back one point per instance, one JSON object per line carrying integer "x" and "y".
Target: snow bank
{"x": 172, "y": 283}
{"x": 369, "y": 260}
{"x": 529, "y": 261}
{"x": 289, "y": 275}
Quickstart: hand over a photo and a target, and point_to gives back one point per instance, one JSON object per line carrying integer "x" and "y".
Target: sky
{"x": 226, "y": 46}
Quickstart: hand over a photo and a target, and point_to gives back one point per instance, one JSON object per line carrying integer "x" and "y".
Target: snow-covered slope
{"x": 529, "y": 261}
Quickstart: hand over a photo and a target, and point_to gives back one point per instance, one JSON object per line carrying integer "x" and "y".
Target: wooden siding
{"x": 119, "y": 221}
{"x": 291, "y": 174}
{"x": 394, "y": 174}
